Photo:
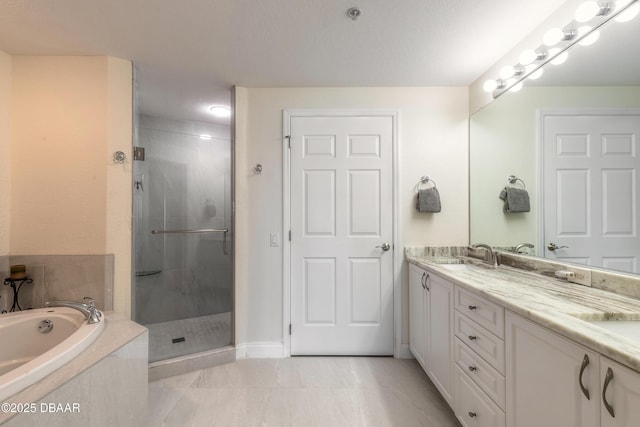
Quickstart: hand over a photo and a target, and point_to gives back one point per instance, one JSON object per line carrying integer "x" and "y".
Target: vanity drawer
{"x": 473, "y": 407}
{"x": 484, "y": 375}
{"x": 486, "y": 313}
{"x": 481, "y": 341}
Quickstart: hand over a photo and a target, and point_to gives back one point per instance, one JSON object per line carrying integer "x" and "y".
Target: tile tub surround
{"x": 61, "y": 277}
{"x": 556, "y": 304}
{"x": 108, "y": 381}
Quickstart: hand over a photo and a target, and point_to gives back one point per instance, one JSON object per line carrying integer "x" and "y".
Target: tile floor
{"x": 301, "y": 391}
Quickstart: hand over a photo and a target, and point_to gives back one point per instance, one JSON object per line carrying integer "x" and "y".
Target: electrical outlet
{"x": 581, "y": 276}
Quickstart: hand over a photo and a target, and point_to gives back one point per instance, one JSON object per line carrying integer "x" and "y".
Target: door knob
{"x": 552, "y": 247}
{"x": 385, "y": 247}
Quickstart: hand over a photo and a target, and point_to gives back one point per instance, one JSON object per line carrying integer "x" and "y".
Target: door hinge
{"x": 288, "y": 140}
{"x": 289, "y": 328}
{"x": 289, "y": 235}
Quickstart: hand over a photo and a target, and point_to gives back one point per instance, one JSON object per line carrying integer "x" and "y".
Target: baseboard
{"x": 404, "y": 352}
{"x": 260, "y": 350}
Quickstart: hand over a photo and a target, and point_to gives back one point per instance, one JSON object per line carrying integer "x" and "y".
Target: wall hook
{"x": 119, "y": 157}
{"x": 257, "y": 169}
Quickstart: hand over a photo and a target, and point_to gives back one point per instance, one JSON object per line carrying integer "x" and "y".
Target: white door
{"x": 341, "y": 216}
{"x": 591, "y": 189}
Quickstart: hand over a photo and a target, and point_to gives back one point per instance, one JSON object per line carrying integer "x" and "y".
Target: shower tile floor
{"x": 301, "y": 391}
{"x": 200, "y": 334}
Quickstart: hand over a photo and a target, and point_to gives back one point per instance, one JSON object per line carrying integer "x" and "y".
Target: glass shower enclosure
{"x": 182, "y": 236}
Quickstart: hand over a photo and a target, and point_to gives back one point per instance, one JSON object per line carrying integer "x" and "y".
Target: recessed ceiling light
{"x": 220, "y": 111}
{"x": 205, "y": 137}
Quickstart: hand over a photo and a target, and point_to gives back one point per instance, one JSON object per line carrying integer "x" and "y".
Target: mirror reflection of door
{"x": 591, "y": 188}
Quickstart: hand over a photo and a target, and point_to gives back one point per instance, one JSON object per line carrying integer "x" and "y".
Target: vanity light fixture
{"x": 590, "y": 9}
{"x": 629, "y": 13}
{"x": 556, "y": 41}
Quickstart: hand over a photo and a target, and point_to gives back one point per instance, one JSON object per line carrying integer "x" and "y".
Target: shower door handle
{"x": 200, "y": 231}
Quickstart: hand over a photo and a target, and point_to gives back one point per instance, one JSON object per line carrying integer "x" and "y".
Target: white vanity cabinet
{"x": 479, "y": 359}
{"x": 431, "y": 327}
{"x": 620, "y": 392}
{"x": 550, "y": 380}
{"x": 417, "y": 305}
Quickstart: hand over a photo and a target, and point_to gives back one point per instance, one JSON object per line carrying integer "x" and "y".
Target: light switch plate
{"x": 274, "y": 239}
{"x": 581, "y": 276}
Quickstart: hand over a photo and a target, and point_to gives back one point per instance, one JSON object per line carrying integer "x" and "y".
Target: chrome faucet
{"x": 493, "y": 258}
{"x": 88, "y": 308}
{"x": 522, "y": 245}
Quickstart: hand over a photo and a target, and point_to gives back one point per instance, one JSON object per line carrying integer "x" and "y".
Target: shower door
{"x": 182, "y": 238}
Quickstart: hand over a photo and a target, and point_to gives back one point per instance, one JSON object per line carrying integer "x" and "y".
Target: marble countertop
{"x": 554, "y": 303}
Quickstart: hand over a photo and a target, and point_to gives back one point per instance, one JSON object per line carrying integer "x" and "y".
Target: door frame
{"x": 541, "y": 114}
{"x": 398, "y": 251}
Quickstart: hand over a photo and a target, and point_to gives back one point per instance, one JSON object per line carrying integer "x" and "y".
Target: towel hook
{"x": 513, "y": 179}
{"x": 423, "y": 180}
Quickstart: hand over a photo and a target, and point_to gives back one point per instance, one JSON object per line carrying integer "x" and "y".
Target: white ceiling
{"x": 189, "y": 53}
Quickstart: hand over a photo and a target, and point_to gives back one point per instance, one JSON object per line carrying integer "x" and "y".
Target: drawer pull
{"x": 607, "y": 380}
{"x": 473, "y": 368}
{"x": 472, "y": 414}
{"x": 423, "y": 280}
{"x": 473, "y": 337}
{"x": 585, "y": 363}
{"x": 473, "y": 307}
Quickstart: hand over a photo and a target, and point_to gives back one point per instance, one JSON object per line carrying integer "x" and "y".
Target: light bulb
{"x": 506, "y": 72}
{"x": 536, "y": 74}
{"x": 490, "y": 85}
{"x": 553, "y": 37}
{"x": 560, "y": 59}
{"x": 590, "y": 39}
{"x": 587, "y": 11}
{"x": 516, "y": 87}
{"x": 528, "y": 56}
{"x": 629, "y": 13}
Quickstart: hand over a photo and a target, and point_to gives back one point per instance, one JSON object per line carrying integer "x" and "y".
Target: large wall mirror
{"x": 571, "y": 137}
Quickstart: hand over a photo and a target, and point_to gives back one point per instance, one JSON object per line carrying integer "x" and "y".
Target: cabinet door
{"x": 417, "y": 332}
{"x": 439, "y": 323}
{"x": 621, "y": 395}
{"x": 544, "y": 378}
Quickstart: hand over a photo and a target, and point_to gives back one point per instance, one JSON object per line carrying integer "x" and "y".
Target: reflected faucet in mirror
{"x": 518, "y": 248}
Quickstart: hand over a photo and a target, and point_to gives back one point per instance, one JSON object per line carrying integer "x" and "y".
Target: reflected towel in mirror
{"x": 428, "y": 200}
{"x": 515, "y": 200}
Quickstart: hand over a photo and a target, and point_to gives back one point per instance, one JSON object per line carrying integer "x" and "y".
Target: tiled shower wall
{"x": 183, "y": 184}
{"x": 60, "y": 277}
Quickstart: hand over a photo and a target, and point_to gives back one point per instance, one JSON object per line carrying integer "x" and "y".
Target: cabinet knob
{"x": 473, "y": 307}
{"x": 473, "y": 368}
{"x": 473, "y": 337}
{"x": 472, "y": 414}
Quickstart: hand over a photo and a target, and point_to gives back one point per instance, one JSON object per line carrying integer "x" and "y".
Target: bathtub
{"x": 28, "y": 355}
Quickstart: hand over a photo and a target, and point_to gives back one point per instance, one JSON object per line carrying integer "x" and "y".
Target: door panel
{"x": 591, "y": 189}
{"x": 341, "y": 209}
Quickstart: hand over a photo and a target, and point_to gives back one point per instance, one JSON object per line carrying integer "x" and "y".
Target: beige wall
{"x": 5, "y": 151}
{"x": 69, "y": 114}
{"x": 433, "y": 135}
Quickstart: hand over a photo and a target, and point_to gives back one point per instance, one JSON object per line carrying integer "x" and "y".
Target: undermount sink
{"x": 626, "y": 328}
{"x": 455, "y": 267}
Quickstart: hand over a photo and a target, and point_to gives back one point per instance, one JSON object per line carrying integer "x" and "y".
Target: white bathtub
{"x": 28, "y": 355}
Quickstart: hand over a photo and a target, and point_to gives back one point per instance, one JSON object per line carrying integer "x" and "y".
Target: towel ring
{"x": 513, "y": 179}
{"x": 423, "y": 180}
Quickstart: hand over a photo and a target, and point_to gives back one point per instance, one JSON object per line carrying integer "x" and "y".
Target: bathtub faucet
{"x": 88, "y": 308}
